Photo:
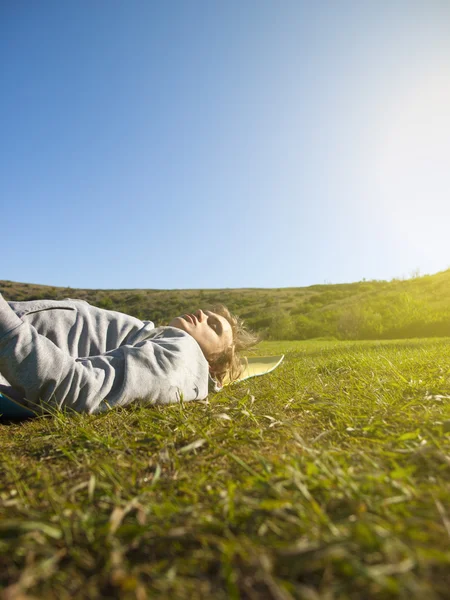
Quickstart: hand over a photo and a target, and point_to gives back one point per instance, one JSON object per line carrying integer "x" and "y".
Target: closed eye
{"x": 216, "y": 325}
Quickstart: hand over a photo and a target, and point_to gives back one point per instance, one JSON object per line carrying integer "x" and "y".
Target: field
{"x": 329, "y": 478}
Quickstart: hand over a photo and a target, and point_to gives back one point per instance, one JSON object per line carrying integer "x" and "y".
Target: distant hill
{"x": 417, "y": 307}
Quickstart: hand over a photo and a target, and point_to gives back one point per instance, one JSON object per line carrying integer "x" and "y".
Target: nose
{"x": 199, "y": 314}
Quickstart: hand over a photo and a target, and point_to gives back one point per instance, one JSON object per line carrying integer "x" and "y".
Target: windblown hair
{"x": 228, "y": 363}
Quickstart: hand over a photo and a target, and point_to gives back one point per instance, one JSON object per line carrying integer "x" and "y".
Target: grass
{"x": 329, "y": 478}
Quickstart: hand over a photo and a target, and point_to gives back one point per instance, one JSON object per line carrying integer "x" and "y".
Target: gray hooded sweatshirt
{"x": 71, "y": 354}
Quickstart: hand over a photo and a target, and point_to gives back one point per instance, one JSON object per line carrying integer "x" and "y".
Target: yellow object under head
{"x": 256, "y": 366}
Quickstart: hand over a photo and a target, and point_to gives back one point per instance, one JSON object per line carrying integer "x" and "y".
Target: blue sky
{"x": 210, "y": 144}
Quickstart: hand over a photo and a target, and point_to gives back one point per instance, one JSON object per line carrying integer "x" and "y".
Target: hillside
{"x": 418, "y": 307}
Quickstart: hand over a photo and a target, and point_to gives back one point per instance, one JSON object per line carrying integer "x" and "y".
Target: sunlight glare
{"x": 412, "y": 163}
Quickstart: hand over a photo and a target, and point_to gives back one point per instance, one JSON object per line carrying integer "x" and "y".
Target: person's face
{"x": 212, "y": 332}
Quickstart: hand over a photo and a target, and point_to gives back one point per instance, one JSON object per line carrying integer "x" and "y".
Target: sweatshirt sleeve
{"x": 163, "y": 369}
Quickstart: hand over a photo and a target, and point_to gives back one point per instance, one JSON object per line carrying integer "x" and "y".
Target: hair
{"x": 229, "y": 363}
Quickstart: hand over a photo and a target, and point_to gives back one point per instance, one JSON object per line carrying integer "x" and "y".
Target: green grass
{"x": 329, "y": 478}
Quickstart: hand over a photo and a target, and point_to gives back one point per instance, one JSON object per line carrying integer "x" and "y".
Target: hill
{"x": 417, "y": 307}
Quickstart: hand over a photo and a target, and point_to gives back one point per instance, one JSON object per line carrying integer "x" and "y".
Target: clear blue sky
{"x": 237, "y": 143}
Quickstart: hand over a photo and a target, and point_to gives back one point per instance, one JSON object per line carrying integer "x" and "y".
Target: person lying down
{"x": 70, "y": 354}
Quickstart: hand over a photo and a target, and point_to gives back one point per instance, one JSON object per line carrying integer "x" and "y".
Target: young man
{"x": 70, "y": 354}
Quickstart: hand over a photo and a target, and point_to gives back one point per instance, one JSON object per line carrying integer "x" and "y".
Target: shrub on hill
{"x": 418, "y": 307}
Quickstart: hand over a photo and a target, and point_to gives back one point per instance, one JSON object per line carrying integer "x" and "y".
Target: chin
{"x": 179, "y": 322}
